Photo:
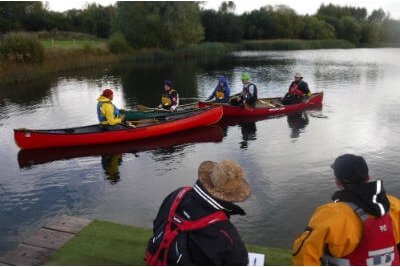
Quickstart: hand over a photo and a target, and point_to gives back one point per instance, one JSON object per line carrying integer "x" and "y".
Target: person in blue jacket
{"x": 221, "y": 92}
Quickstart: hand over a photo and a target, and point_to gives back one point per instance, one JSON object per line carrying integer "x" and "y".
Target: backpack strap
{"x": 182, "y": 225}
{"x": 360, "y": 212}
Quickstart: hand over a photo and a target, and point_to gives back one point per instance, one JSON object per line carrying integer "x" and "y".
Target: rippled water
{"x": 286, "y": 158}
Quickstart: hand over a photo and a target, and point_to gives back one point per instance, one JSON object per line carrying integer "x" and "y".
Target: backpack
{"x": 174, "y": 234}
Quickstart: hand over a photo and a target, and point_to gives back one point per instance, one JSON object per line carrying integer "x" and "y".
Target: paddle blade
{"x": 248, "y": 107}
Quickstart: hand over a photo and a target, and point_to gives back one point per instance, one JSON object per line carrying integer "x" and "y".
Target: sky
{"x": 302, "y": 7}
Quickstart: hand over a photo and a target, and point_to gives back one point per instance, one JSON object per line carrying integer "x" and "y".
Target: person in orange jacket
{"x": 360, "y": 227}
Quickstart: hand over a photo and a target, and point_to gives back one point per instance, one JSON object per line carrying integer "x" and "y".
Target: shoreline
{"x": 68, "y": 240}
{"x": 59, "y": 59}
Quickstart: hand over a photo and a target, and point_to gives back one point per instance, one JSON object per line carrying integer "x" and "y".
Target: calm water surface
{"x": 286, "y": 158}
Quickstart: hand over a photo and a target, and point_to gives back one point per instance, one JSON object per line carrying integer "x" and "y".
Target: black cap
{"x": 350, "y": 169}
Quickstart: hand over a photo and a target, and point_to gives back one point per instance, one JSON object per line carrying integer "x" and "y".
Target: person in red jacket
{"x": 298, "y": 91}
{"x": 217, "y": 187}
{"x": 360, "y": 227}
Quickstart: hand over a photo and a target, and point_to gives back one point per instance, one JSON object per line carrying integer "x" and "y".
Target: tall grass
{"x": 74, "y": 51}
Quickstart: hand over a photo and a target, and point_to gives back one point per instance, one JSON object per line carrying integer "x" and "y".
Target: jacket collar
{"x": 218, "y": 204}
{"x": 371, "y": 197}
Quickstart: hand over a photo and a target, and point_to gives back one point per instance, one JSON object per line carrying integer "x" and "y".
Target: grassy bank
{"x": 106, "y": 243}
{"x": 62, "y": 55}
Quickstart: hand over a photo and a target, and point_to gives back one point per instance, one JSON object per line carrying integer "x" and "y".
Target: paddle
{"x": 247, "y": 106}
{"x": 144, "y": 108}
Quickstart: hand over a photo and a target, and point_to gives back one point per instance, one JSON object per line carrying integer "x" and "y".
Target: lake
{"x": 286, "y": 158}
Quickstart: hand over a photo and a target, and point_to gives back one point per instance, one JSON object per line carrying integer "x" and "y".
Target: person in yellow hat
{"x": 214, "y": 242}
{"x": 360, "y": 227}
{"x": 298, "y": 91}
{"x": 108, "y": 113}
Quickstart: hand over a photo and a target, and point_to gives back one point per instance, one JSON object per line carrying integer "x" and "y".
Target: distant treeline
{"x": 173, "y": 25}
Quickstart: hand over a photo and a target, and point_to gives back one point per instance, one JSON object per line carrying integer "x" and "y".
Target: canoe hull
{"x": 92, "y": 135}
{"x": 29, "y": 157}
{"x": 263, "y": 109}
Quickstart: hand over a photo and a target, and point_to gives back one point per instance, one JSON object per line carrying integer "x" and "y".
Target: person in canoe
{"x": 248, "y": 96}
{"x": 169, "y": 98}
{"x": 108, "y": 113}
{"x": 221, "y": 92}
{"x": 298, "y": 91}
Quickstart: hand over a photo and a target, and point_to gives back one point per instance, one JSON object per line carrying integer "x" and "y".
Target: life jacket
{"x": 166, "y": 98}
{"x": 294, "y": 89}
{"x": 246, "y": 92}
{"x": 100, "y": 115}
{"x": 220, "y": 93}
{"x": 176, "y": 226}
{"x": 377, "y": 245}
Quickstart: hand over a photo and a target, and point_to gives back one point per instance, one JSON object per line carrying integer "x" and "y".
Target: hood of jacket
{"x": 371, "y": 197}
{"x": 103, "y": 99}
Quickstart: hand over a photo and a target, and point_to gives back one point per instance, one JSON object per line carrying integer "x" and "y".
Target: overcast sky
{"x": 301, "y": 7}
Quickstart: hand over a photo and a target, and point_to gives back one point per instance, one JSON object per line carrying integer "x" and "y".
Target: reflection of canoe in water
{"x": 93, "y": 134}
{"x": 143, "y": 112}
{"x": 202, "y": 134}
{"x": 268, "y": 106}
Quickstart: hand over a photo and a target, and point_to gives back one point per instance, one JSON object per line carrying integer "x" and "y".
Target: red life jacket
{"x": 176, "y": 225}
{"x": 377, "y": 245}
{"x": 294, "y": 89}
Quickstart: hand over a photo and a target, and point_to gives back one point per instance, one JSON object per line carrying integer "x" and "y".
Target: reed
{"x": 64, "y": 55}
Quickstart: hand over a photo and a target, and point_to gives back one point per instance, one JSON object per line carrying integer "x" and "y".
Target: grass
{"x": 72, "y": 43}
{"x": 107, "y": 243}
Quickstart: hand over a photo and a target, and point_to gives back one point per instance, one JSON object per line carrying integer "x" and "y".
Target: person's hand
{"x": 122, "y": 117}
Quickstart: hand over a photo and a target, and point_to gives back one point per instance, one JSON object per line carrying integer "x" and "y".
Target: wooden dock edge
{"x": 38, "y": 248}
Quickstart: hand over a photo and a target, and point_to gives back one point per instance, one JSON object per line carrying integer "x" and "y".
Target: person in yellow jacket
{"x": 108, "y": 113}
{"x": 360, "y": 227}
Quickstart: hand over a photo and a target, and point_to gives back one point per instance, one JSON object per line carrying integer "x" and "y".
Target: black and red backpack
{"x": 173, "y": 234}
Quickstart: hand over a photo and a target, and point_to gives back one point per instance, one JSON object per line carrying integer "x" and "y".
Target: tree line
{"x": 177, "y": 24}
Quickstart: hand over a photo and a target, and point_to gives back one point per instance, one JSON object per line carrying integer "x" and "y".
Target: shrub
{"x": 117, "y": 44}
{"x": 22, "y": 48}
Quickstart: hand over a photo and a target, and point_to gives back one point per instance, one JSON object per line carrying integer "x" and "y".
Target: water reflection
{"x": 297, "y": 123}
{"x": 111, "y": 165}
{"x": 112, "y": 153}
{"x": 248, "y": 130}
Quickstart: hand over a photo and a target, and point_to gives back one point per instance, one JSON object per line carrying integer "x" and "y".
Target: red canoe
{"x": 211, "y": 133}
{"x": 92, "y": 134}
{"x": 268, "y": 106}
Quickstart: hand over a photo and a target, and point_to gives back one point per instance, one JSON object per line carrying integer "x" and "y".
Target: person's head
{"x": 224, "y": 180}
{"x": 223, "y": 81}
{"x": 245, "y": 78}
{"x": 298, "y": 76}
{"x": 350, "y": 170}
{"x": 167, "y": 85}
{"x": 108, "y": 93}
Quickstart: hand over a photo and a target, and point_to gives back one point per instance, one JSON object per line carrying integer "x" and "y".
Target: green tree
{"x": 317, "y": 29}
{"x": 370, "y": 33}
{"x": 169, "y": 25}
{"x": 391, "y": 31}
{"x": 221, "y": 26}
{"x": 351, "y": 30}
